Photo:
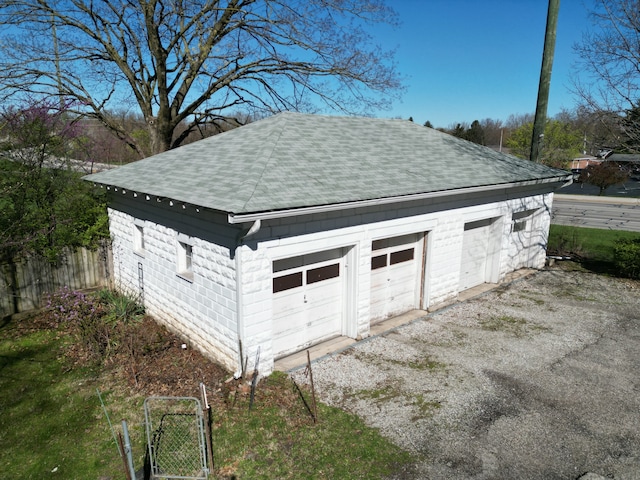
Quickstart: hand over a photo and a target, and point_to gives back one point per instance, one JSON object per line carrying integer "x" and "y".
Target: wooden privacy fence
{"x": 24, "y": 283}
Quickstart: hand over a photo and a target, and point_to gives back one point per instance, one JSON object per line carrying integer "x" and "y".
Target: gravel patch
{"x": 537, "y": 379}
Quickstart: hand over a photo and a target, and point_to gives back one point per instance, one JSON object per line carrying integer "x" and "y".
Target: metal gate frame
{"x": 175, "y": 438}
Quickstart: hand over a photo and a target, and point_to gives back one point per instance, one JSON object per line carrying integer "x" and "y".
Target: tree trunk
{"x": 160, "y": 133}
{"x": 11, "y": 271}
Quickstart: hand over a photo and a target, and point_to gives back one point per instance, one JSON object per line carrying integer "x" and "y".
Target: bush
{"x": 565, "y": 242}
{"x": 100, "y": 322}
{"x": 82, "y": 315}
{"x": 627, "y": 257}
{"x": 120, "y": 308}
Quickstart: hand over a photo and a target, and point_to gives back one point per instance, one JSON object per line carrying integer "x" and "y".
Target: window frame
{"x": 184, "y": 257}
{"x": 138, "y": 237}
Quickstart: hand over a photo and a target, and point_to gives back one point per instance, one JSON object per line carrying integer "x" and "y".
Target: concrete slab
{"x": 338, "y": 344}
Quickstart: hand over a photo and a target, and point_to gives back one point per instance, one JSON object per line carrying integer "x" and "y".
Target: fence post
{"x": 127, "y": 449}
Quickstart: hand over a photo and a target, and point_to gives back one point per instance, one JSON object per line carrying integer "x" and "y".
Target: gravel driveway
{"x": 536, "y": 380}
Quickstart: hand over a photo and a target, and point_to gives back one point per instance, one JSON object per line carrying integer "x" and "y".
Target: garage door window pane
{"x": 379, "y": 244}
{"x": 401, "y": 256}
{"x": 323, "y": 273}
{"x": 287, "y": 282}
{"x": 378, "y": 262}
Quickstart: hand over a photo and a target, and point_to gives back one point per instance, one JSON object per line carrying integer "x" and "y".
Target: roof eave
{"x": 236, "y": 218}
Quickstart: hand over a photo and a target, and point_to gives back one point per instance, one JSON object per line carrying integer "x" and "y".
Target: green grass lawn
{"x": 52, "y": 424}
{"x": 592, "y": 244}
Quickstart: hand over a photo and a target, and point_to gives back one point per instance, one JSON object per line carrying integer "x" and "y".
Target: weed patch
{"x": 425, "y": 407}
{"x": 505, "y": 323}
{"x": 382, "y": 394}
{"x": 531, "y": 298}
{"x": 426, "y": 363}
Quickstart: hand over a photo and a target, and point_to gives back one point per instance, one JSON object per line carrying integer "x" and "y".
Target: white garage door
{"x": 307, "y": 300}
{"x": 475, "y": 250}
{"x": 395, "y": 276}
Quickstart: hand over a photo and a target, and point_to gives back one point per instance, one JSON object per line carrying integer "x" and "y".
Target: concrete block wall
{"x": 444, "y": 249}
{"x": 202, "y": 309}
{"x": 229, "y": 295}
{"x": 527, "y": 249}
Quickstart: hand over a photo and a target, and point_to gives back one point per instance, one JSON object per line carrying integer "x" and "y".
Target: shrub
{"x": 626, "y": 254}
{"x": 566, "y": 242}
{"x": 120, "y": 307}
{"x": 100, "y": 322}
{"x": 82, "y": 314}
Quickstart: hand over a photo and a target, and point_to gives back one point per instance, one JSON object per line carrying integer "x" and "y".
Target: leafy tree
{"x": 610, "y": 59}
{"x": 45, "y": 205}
{"x": 603, "y": 175}
{"x": 188, "y": 63}
{"x": 561, "y": 143}
{"x": 475, "y": 133}
{"x": 459, "y": 130}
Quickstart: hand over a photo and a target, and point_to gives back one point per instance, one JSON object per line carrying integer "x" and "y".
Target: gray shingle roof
{"x": 294, "y": 160}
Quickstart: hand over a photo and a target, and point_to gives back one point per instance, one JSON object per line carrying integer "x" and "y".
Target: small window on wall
{"x": 520, "y": 221}
{"x": 138, "y": 238}
{"x": 519, "y": 226}
{"x": 185, "y": 258}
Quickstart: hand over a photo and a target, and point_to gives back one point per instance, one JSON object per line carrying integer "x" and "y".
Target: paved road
{"x": 613, "y": 213}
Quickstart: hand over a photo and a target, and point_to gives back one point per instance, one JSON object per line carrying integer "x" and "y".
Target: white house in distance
{"x": 298, "y": 228}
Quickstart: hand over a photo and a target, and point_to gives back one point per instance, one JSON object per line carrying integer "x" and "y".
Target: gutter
{"x": 270, "y": 215}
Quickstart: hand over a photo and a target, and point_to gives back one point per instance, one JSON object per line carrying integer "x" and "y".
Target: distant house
{"x": 580, "y": 163}
{"x": 298, "y": 228}
{"x": 629, "y": 161}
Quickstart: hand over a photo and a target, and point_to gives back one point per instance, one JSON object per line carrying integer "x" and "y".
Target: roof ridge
{"x": 278, "y": 119}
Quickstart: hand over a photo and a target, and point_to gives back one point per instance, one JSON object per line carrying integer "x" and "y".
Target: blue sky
{"x": 468, "y": 60}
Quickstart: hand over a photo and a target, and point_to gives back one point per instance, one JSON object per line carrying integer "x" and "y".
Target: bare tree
{"x": 191, "y": 62}
{"x": 610, "y": 59}
{"x": 493, "y": 131}
{"x": 517, "y": 120}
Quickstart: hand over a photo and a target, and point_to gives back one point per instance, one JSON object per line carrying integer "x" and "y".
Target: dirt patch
{"x": 149, "y": 359}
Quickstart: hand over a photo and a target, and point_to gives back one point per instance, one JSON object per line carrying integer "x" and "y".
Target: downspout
{"x": 255, "y": 227}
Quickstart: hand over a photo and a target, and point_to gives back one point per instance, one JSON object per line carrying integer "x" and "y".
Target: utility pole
{"x": 545, "y": 79}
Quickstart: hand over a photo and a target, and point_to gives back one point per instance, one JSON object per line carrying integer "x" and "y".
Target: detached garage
{"x": 298, "y": 228}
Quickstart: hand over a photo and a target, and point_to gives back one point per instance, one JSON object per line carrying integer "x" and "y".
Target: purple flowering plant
{"x": 72, "y": 306}
{"x": 98, "y": 320}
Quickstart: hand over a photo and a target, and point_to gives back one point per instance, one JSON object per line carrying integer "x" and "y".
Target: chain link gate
{"x": 175, "y": 438}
